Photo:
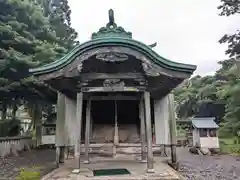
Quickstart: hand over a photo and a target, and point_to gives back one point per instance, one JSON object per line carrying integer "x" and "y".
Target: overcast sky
{"x": 185, "y": 30}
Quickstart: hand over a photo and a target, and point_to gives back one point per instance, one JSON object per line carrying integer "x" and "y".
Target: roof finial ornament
{"x": 111, "y": 29}
{"x": 111, "y": 17}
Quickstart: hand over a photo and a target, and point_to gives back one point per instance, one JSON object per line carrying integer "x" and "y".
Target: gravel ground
{"x": 192, "y": 167}
{"x": 42, "y": 159}
{"x": 199, "y": 167}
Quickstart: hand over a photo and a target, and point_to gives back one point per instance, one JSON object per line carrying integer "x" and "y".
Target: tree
{"x": 59, "y": 13}
{"x": 228, "y": 8}
{"x": 26, "y": 41}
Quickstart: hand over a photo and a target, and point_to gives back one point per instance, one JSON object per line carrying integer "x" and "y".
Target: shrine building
{"x": 114, "y": 90}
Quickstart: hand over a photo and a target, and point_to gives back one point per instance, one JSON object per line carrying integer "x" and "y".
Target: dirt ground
{"x": 192, "y": 167}
{"x": 42, "y": 159}
{"x": 199, "y": 167}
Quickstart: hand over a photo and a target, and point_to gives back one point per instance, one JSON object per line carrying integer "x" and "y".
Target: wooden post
{"x": 147, "y": 107}
{"x": 79, "y": 126}
{"x": 70, "y": 124}
{"x": 142, "y": 130}
{"x": 87, "y": 131}
{"x": 57, "y": 155}
{"x": 60, "y": 128}
{"x": 116, "y": 136}
{"x": 172, "y": 123}
{"x": 91, "y": 129}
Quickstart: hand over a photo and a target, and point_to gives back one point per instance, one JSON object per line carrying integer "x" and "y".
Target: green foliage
{"x": 28, "y": 174}
{"x": 224, "y": 86}
{"x": 228, "y": 8}
{"x": 31, "y": 34}
{"x": 59, "y": 12}
{"x": 193, "y": 93}
{"x": 230, "y": 145}
{"x": 10, "y": 128}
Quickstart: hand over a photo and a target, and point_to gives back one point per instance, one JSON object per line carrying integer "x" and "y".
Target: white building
{"x": 205, "y": 132}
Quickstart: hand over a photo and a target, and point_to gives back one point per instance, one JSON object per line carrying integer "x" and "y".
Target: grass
{"x": 29, "y": 174}
{"x": 229, "y": 145}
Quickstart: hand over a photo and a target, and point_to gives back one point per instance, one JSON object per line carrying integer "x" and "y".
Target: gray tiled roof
{"x": 207, "y": 122}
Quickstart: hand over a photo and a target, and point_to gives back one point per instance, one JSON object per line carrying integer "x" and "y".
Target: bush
{"x": 235, "y": 150}
{"x": 30, "y": 174}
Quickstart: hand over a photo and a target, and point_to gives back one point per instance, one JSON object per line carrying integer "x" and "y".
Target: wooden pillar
{"x": 70, "y": 124}
{"x": 60, "y": 128}
{"x": 78, "y": 126}
{"x": 87, "y": 131}
{"x": 116, "y": 135}
{"x": 147, "y": 107}
{"x": 142, "y": 130}
{"x": 172, "y": 123}
{"x": 91, "y": 129}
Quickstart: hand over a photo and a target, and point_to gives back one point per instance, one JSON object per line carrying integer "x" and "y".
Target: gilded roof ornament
{"x": 111, "y": 29}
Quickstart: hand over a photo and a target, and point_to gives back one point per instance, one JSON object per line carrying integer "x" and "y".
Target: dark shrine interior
{"x": 103, "y": 112}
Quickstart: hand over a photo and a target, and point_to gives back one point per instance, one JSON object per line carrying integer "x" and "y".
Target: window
{"x": 203, "y": 132}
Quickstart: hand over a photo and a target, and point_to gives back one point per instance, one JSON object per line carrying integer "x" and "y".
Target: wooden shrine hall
{"x": 113, "y": 89}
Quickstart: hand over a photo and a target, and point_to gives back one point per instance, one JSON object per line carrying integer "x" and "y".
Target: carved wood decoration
{"x": 112, "y": 57}
{"x": 150, "y": 68}
{"x": 79, "y": 67}
{"x": 141, "y": 81}
{"x": 113, "y": 84}
{"x": 121, "y": 54}
{"x": 153, "y": 71}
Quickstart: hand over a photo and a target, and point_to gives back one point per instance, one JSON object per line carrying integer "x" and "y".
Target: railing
{"x": 13, "y": 145}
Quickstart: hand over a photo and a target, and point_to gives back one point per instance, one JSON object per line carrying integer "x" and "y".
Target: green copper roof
{"x": 113, "y": 35}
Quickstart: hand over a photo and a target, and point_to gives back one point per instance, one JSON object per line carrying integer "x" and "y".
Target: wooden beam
{"x": 112, "y": 97}
{"x": 92, "y": 76}
{"x": 148, "y": 132}
{"x": 114, "y": 89}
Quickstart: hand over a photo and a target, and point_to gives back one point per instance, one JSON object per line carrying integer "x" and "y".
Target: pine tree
{"x": 59, "y": 13}
{"x": 27, "y": 40}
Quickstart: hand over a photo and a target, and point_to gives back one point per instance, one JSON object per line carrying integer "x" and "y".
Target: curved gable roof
{"x": 113, "y": 35}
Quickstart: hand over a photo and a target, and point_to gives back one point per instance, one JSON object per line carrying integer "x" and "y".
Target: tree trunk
{"x": 4, "y": 110}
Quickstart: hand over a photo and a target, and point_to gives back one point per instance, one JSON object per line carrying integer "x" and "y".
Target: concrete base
{"x": 86, "y": 162}
{"x": 150, "y": 171}
{"x": 137, "y": 170}
{"x": 143, "y": 161}
{"x": 76, "y": 171}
